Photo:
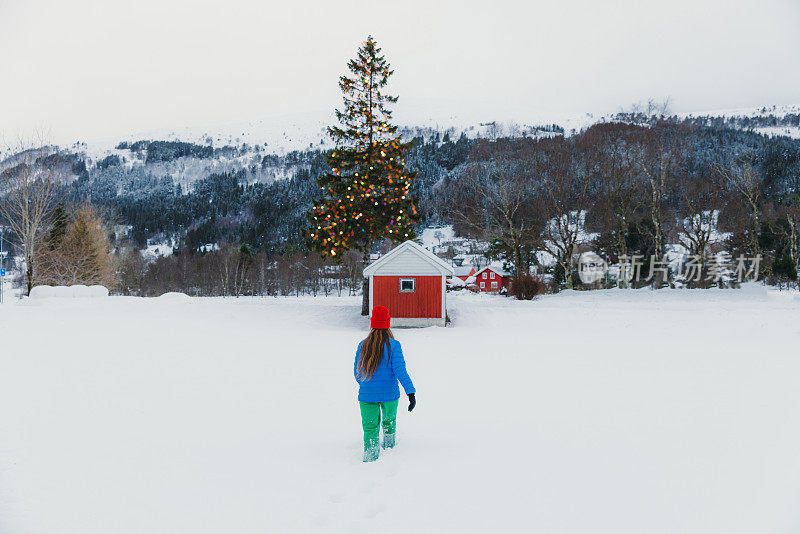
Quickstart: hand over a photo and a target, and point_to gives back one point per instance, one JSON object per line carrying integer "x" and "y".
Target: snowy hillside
{"x": 768, "y": 120}
{"x": 277, "y": 135}
{"x": 283, "y": 134}
{"x": 265, "y": 150}
{"x": 240, "y": 415}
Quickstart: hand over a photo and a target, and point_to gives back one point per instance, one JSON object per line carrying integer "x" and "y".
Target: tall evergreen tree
{"x": 367, "y": 194}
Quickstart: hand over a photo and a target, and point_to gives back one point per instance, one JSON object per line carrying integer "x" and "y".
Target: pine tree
{"x": 59, "y": 228}
{"x": 367, "y": 193}
{"x": 77, "y": 250}
{"x": 243, "y": 264}
{"x": 86, "y": 247}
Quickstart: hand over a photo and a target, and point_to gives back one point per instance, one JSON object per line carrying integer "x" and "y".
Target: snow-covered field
{"x": 601, "y": 412}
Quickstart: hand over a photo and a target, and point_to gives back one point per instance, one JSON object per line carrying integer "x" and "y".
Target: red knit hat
{"x": 380, "y": 317}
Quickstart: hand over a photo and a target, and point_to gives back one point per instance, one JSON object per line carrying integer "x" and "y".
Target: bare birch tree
{"x": 29, "y": 182}
{"x": 745, "y": 181}
{"x": 701, "y": 199}
{"x": 659, "y": 155}
{"x": 783, "y": 220}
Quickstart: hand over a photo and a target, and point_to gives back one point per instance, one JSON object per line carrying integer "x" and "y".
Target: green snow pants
{"x": 371, "y": 420}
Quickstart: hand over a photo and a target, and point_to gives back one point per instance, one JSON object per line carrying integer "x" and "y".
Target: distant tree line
{"x": 631, "y": 188}
{"x": 641, "y": 186}
{"x": 235, "y": 270}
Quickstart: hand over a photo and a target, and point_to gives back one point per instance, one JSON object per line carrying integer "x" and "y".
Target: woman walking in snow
{"x": 379, "y": 365}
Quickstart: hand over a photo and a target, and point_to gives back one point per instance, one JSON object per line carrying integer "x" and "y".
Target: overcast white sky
{"x": 85, "y": 69}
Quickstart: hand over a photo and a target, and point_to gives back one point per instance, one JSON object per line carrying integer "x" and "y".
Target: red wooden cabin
{"x": 410, "y": 281}
{"x": 492, "y": 279}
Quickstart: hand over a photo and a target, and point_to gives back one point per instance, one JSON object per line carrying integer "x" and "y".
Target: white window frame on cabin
{"x": 483, "y": 285}
{"x": 484, "y": 275}
{"x": 494, "y": 285}
{"x": 491, "y": 275}
{"x": 413, "y": 285}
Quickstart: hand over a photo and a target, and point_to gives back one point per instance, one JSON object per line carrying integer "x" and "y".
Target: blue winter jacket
{"x": 382, "y": 386}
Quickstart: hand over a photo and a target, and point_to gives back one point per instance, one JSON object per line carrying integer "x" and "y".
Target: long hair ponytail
{"x": 372, "y": 351}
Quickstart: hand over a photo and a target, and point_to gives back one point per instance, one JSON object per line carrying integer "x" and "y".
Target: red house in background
{"x": 492, "y": 279}
{"x": 464, "y": 271}
{"x": 410, "y": 281}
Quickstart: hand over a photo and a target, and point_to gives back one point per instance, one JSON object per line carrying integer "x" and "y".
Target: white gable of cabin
{"x": 409, "y": 259}
{"x": 407, "y": 262}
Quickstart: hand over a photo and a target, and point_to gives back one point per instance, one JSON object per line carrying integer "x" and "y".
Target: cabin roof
{"x": 463, "y": 270}
{"x": 433, "y": 262}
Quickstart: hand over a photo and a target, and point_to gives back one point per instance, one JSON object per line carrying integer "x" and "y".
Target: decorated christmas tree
{"x": 367, "y": 194}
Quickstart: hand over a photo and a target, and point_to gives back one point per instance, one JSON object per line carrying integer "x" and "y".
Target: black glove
{"x": 412, "y": 401}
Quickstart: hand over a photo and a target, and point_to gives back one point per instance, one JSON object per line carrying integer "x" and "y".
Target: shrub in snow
{"x": 526, "y": 287}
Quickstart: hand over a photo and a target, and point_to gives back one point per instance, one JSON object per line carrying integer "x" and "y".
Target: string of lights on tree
{"x": 367, "y": 194}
